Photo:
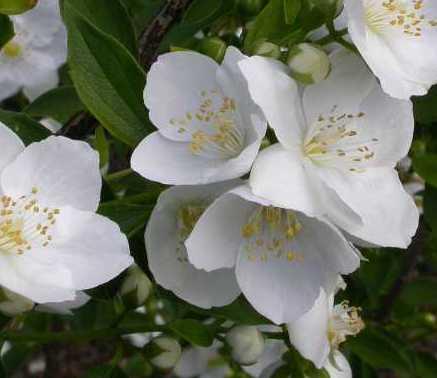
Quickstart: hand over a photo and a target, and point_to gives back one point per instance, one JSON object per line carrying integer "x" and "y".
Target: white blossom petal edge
{"x": 397, "y": 39}
{"x": 171, "y": 222}
{"x": 209, "y": 129}
{"x": 52, "y": 244}
{"x": 281, "y": 258}
{"x": 339, "y": 144}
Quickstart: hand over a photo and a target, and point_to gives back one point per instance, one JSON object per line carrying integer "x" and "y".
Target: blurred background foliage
{"x": 112, "y": 43}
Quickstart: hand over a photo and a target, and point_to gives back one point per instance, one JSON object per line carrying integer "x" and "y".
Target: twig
{"x": 411, "y": 260}
{"x": 153, "y": 35}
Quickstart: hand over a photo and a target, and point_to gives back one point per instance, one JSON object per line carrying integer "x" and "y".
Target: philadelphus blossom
{"x": 52, "y": 243}
{"x": 31, "y": 59}
{"x": 397, "y": 39}
{"x": 209, "y": 129}
{"x": 281, "y": 257}
{"x": 170, "y": 224}
{"x": 338, "y": 146}
{"x": 318, "y": 333}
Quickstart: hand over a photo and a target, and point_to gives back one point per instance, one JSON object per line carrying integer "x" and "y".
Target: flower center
{"x": 335, "y": 139}
{"x": 270, "y": 233}
{"x": 186, "y": 220}
{"x": 213, "y": 126}
{"x": 406, "y": 15}
{"x": 345, "y": 321}
{"x": 12, "y": 50}
{"x": 24, "y": 224}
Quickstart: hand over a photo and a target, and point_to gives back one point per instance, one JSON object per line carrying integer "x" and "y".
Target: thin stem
{"x": 331, "y": 38}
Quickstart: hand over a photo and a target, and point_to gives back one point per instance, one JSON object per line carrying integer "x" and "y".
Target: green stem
{"x": 77, "y": 336}
{"x": 336, "y": 36}
{"x": 331, "y": 38}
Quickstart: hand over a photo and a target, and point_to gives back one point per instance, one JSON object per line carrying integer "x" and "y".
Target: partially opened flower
{"x": 209, "y": 129}
{"x": 397, "y": 38}
{"x": 281, "y": 257}
{"x": 318, "y": 334}
{"x": 31, "y": 59}
{"x": 52, "y": 243}
{"x": 338, "y": 147}
{"x": 170, "y": 224}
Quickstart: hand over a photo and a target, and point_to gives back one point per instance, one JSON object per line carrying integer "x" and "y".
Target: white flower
{"x": 171, "y": 222}
{"x": 209, "y": 130}
{"x": 397, "y": 38}
{"x": 282, "y": 258}
{"x": 52, "y": 243}
{"x": 65, "y": 308}
{"x": 338, "y": 146}
{"x": 318, "y": 333}
{"x": 247, "y": 344}
{"x": 31, "y": 59}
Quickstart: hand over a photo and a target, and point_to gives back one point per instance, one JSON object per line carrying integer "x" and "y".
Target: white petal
{"x": 344, "y": 370}
{"x": 65, "y": 172}
{"x": 160, "y": 159}
{"x": 216, "y": 238}
{"x": 11, "y": 145}
{"x": 283, "y": 289}
{"x": 48, "y": 82}
{"x": 8, "y": 87}
{"x": 309, "y": 333}
{"x": 81, "y": 240}
{"x": 277, "y": 95}
{"x": 389, "y": 215}
{"x": 279, "y": 176}
{"x": 40, "y": 281}
{"x": 65, "y": 308}
{"x": 167, "y": 256}
{"x": 174, "y": 87}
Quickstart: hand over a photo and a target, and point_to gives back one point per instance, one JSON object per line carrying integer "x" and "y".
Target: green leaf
{"x": 60, "y": 104}
{"x": 12, "y": 7}
{"x": 201, "y": 10}
{"x": 130, "y": 217}
{"x": 425, "y": 110}
{"x": 420, "y": 292}
{"x": 193, "y": 331}
{"x": 426, "y": 166}
{"x": 6, "y": 30}
{"x": 107, "y": 78}
{"x": 380, "y": 350}
{"x": 426, "y": 365}
{"x": 102, "y": 146}
{"x": 291, "y": 10}
{"x": 111, "y": 18}
{"x": 26, "y": 128}
{"x": 239, "y": 311}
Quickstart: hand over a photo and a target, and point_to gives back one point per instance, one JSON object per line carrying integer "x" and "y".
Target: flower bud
{"x": 267, "y": 49}
{"x": 12, "y": 304}
{"x": 247, "y": 344}
{"x": 251, "y": 7}
{"x": 16, "y": 6}
{"x": 135, "y": 288}
{"x": 214, "y": 47}
{"x": 163, "y": 352}
{"x": 309, "y": 64}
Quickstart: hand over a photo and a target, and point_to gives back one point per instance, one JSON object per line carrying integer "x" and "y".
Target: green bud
{"x": 251, "y": 7}
{"x": 11, "y": 7}
{"x": 135, "y": 288}
{"x": 213, "y": 47}
{"x": 267, "y": 49}
{"x": 163, "y": 352}
{"x": 12, "y": 304}
{"x": 308, "y": 63}
{"x": 247, "y": 344}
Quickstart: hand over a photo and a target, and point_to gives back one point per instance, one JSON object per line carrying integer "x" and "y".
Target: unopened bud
{"x": 309, "y": 64}
{"x": 12, "y": 304}
{"x": 163, "y": 352}
{"x": 214, "y": 47}
{"x": 251, "y": 7}
{"x": 135, "y": 288}
{"x": 267, "y": 49}
{"x": 247, "y": 344}
{"x": 11, "y": 7}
